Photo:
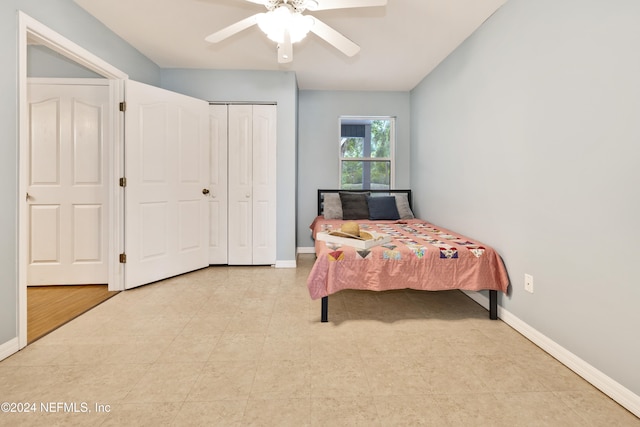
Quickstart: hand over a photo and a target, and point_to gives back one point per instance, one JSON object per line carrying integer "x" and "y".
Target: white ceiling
{"x": 400, "y": 43}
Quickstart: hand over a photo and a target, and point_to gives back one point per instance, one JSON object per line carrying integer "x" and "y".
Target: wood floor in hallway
{"x": 49, "y": 307}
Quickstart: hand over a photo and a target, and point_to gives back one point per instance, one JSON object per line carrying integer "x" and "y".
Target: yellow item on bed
{"x": 352, "y": 230}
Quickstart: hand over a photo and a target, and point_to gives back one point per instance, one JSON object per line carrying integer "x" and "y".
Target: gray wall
{"x": 72, "y": 22}
{"x": 256, "y": 86}
{"x": 528, "y": 138}
{"x": 44, "y": 62}
{"x": 318, "y": 138}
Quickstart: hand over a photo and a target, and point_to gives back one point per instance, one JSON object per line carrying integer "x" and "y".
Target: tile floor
{"x": 242, "y": 346}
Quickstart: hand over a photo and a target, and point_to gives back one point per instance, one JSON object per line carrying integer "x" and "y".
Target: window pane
{"x": 365, "y": 175}
{"x": 380, "y": 174}
{"x": 380, "y": 138}
{"x": 352, "y": 147}
{"x": 370, "y": 139}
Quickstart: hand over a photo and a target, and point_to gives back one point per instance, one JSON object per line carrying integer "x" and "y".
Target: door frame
{"x": 32, "y": 31}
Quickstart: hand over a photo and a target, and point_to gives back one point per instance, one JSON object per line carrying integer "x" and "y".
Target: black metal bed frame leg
{"x": 324, "y": 311}
{"x": 493, "y": 305}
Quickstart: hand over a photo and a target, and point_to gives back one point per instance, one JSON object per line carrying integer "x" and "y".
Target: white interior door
{"x": 264, "y": 184}
{"x": 67, "y": 192}
{"x": 167, "y": 169}
{"x": 218, "y": 184}
{"x": 240, "y": 184}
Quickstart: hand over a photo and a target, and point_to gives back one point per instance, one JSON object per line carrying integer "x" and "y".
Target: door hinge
{"x": 123, "y": 258}
{"x": 123, "y": 106}
{"x": 123, "y": 182}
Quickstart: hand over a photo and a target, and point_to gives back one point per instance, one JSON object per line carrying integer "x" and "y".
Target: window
{"x": 366, "y": 152}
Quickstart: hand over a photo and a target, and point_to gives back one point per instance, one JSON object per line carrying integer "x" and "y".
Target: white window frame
{"x": 392, "y": 146}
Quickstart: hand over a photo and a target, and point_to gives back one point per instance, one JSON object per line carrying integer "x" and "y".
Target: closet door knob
{"x": 205, "y": 191}
{"x": 247, "y": 195}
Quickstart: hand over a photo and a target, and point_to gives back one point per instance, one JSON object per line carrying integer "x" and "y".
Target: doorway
{"x": 67, "y": 269}
{"x": 33, "y": 32}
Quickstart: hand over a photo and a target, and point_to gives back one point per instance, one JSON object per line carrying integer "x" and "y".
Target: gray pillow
{"x": 402, "y": 203}
{"x": 354, "y": 205}
{"x": 332, "y": 206}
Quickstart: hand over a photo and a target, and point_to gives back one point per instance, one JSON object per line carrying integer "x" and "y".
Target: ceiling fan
{"x": 285, "y": 24}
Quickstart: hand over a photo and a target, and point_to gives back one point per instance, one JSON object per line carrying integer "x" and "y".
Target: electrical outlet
{"x": 528, "y": 282}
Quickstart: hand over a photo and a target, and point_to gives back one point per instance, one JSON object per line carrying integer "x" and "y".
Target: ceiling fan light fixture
{"x": 275, "y": 22}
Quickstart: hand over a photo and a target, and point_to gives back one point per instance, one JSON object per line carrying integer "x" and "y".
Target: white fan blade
{"x": 342, "y": 4}
{"x": 233, "y": 29}
{"x": 285, "y": 49}
{"x": 334, "y": 38}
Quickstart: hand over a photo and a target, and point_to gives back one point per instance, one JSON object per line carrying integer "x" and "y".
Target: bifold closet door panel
{"x": 264, "y": 184}
{"x": 218, "y": 201}
{"x": 240, "y": 175}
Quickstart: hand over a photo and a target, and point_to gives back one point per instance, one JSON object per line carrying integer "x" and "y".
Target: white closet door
{"x": 218, "y": 184}
{"x": 264, "y": 184}
{"x": 240, "y": 177}
{"x": 167, "y": 169}
{"x": 252, "y": 184}
{"x": 68, "y": 188}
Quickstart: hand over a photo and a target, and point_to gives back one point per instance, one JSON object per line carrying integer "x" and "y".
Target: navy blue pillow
{"x": 382, "y": 207}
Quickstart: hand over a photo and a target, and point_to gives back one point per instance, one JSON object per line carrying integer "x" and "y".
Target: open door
{"x": 166, "y": 195}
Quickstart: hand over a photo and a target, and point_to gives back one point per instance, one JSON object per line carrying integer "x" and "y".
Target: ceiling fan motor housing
{"x": 296, "y": 5}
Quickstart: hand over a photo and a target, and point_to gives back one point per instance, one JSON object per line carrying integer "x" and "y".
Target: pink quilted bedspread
{"x": 421, "y": 256}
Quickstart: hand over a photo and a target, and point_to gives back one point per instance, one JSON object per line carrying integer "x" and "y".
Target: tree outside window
{"x": 366, "y": 148}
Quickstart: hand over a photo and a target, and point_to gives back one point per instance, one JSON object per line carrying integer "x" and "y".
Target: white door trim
{"x": 30, "y": 30}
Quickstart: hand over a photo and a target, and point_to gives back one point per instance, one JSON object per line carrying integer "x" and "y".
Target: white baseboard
{"x": 8, "y": 348}
{"x": 598, "y": 379}
{"x": 286, "y": 264}
{"x": 306, "y": 250}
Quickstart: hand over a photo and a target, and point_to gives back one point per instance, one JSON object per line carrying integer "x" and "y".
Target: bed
{"x": 420, "y": 255}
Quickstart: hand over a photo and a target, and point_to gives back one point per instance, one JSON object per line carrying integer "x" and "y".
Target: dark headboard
{"x": 380, "y": 192}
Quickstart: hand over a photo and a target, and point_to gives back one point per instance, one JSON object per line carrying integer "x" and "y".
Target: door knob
{"x": 205, "y": 191}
